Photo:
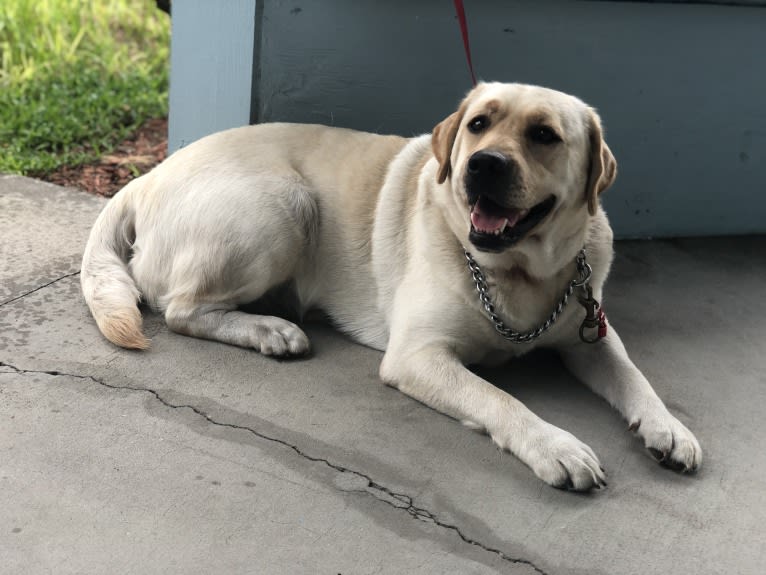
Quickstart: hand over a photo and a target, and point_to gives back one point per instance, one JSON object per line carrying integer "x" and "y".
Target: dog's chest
{"x": 518, "y": 310}
{"x": 525, "y": 303}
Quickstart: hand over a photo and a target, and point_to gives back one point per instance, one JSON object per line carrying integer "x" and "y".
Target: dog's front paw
{"x": 668, "y": 440}
{"x": 560, "y": 459}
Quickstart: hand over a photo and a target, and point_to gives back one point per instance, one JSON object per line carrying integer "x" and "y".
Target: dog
{"x": 471, "y": 245}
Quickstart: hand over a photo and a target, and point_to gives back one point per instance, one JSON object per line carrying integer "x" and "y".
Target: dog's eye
{"x": 478, "y": 124}
{"x": 543, "y": 135}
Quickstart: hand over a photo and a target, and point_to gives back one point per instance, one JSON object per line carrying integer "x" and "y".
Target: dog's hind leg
{"x": 268, "y": 334}
{"x": 218, "y": 268}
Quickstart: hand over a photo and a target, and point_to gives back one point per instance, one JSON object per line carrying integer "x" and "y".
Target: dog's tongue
{"x": 484, "y": 220}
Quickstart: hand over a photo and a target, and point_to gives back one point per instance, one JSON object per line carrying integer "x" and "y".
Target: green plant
{"x": 76, "y": 77}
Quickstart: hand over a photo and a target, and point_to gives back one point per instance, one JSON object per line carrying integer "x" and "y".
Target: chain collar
{"x": 584, "y": 272}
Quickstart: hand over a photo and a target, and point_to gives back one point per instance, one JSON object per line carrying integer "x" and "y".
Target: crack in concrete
{"x": 374, "y": 489}
{"x": 18, "y": 297}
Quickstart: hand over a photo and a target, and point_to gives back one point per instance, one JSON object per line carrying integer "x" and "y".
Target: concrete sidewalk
{"x": 197, "y": 457}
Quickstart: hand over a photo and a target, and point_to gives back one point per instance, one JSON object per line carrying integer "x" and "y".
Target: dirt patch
{"x": 135, "y": 155}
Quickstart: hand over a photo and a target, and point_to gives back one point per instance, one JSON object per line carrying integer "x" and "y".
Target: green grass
{"x": 77, "y": 76}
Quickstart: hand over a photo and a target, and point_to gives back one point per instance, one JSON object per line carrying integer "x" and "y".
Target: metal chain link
{"x": 584, "y": 272}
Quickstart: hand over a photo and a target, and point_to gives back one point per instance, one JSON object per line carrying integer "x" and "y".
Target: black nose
{"x": 487, "y": 163}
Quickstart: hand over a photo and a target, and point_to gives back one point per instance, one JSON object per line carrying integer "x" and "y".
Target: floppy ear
{"x": 602, "y": 166}
{"x": 442, "y": 140}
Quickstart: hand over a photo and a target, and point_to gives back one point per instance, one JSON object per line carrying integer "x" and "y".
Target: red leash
{"x": 464, "y": 32}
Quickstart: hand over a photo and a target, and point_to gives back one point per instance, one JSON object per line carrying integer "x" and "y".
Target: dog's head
{"x": 523, "y": 164}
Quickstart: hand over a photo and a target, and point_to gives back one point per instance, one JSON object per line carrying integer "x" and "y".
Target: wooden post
{"x": 213, "y": 67}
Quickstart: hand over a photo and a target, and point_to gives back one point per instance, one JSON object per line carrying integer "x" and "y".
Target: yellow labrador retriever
{"x": 470, "y": 245}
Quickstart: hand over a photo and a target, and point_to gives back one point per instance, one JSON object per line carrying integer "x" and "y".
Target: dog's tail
{"x": 109, "y": 290}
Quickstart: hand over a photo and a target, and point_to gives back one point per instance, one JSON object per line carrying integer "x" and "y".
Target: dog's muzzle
{"x": 491, "y": 182}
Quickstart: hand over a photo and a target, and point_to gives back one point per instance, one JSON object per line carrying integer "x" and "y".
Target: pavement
{"x": 197, "y": 457}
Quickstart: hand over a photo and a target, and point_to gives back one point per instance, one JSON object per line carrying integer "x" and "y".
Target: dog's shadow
{"x": 541, "y": 382}
{"x": 540, "y": 369}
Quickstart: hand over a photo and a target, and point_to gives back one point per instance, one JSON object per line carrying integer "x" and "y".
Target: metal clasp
{"x": 595, "y": 318}
{"x": 584, "y": 271}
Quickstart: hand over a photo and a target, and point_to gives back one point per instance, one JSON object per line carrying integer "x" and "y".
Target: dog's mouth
{"x": 495, "y": 227}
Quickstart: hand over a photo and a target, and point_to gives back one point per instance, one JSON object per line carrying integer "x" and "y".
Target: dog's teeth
{"x": 502, "y": 228}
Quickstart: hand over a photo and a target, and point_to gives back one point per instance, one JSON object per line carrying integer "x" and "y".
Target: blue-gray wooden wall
{"x": 681, "y": 87}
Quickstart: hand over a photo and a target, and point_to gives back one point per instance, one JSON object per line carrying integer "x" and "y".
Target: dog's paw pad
{"x": 657, "y": 454}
